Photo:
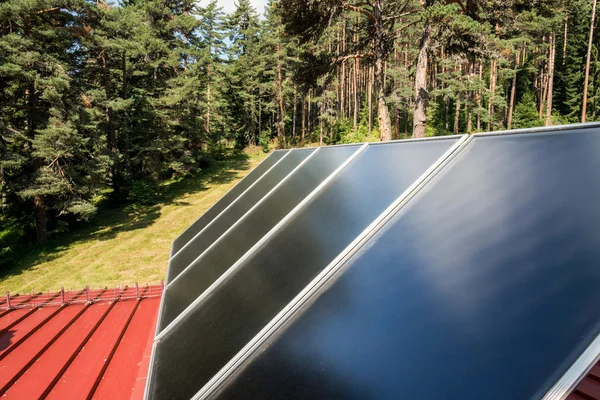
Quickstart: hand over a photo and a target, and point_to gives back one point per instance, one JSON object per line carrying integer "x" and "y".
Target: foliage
{"x": 526, "y": 113}
{"x": 142, "y": 193}
{"x": 263, "y": 140}
{"x": 112, "y": 99}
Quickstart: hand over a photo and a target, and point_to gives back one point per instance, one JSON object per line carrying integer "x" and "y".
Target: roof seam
{"x": 115, "y": 346}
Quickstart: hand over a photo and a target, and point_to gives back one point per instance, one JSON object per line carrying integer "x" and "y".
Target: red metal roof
{"x": 84, "y": 344}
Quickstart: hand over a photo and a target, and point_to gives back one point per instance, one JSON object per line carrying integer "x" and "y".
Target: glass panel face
{"x": 205, "y": 270}
{"x": 207, "y": 337}
{"x": 228, "y": 217}
{"x": 226, "y": 200}
{"x": 485, "y": 285}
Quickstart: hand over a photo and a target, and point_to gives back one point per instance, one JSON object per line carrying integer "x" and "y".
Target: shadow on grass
{"x": 111, "y": 221}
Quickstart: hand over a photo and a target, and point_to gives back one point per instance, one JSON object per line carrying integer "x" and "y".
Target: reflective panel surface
{"x": 205, "y": 270}
{"x": 194, "y": 349}
{"x": 485, "y": 285}
{"x": 235, "y": 211}
{"x": 226, "y": 200}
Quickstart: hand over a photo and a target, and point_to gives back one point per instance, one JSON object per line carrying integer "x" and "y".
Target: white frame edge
{"x": 576, "y": 372}
{"x": 541, "y": 129}
{"x": 147, "y": 385}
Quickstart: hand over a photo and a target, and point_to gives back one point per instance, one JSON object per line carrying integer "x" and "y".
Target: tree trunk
{"x": 342, "y": 89}
{"x": 4, "y": 202}
{"x": 380, "y": 55}
{"x": 321, "y": 128}
{"x": 564, "y": 54}
{"x": 550, "y": 79}
{"x": 421, "y": 95}
{"x": 543, "y": 85}
{"x": 446, "y": 111}
{"x": 492, "y": 94}
{"x": 207, "y": 122}
{"x": 41, "y": 220}
{"x": 397, "y": 127}
{"x": 303, "y": 119}
{"x": 587, "y": 65}
{"x": 469, "y": 116}
{"x": 370, "y": 100}
{"x": 355, "y": 90}
{"x": 383, "y": 114}
{"x": 407, "y": 116}
{"x": 457, "y": 115}
{"x": 469, "y": 102}
{"x": 309, "y": 114}
{"x": 513, "y": 93}
{"x": 479, "y": 97}
{"x": 294, "y": 118}
{"x": 281, "y": 122}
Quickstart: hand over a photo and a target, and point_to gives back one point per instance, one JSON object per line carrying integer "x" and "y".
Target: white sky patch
{"x": 229, "y": 5}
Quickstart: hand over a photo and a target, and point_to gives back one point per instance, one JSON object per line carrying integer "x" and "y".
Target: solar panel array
{"x": 371, "y": 271}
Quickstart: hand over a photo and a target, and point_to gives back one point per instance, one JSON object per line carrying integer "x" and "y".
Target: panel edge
{"x": 576, "y": 372}
{"x": 540, "y": 129}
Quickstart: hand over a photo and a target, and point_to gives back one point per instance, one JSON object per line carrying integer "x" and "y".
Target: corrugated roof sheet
{"x": 82, "y": 344}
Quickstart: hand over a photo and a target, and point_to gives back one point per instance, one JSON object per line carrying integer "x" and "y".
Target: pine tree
{"x": 246, "y": 72}
{"x": 570, "y": 71}
{"x": 55, "y": 164}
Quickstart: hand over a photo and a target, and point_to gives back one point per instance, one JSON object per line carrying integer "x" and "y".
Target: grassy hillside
{"x": 128, "y": 244}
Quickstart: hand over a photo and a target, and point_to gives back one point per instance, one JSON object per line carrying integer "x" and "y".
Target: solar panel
{"x": 226, "y": 200}
{"x": 244, "y": 202}
{"x": 190, "y": 352}
{"x": 249, "y": 229}
{"x": 484, "y": 284}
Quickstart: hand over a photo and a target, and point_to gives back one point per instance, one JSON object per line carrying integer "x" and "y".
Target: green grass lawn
{"x": 127, "y": 245}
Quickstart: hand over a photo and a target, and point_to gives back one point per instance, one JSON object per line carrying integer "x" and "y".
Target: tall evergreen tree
{"x": 55, "y": 161}
{"x": 246, "y": 71}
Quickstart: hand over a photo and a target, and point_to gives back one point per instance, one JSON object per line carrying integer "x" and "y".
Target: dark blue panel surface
{"x": 485, "y": 285}
{"x": 205, "y": 270}
{"x": 226, "y": 200}
{"x": 234, "y": 212}
{"x": 193, "y": 350}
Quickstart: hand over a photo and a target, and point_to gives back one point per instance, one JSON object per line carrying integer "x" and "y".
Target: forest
{"x": 108, "y": 99}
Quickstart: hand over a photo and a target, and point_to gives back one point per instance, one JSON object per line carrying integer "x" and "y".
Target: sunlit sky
{"x": 229, "y": 5}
